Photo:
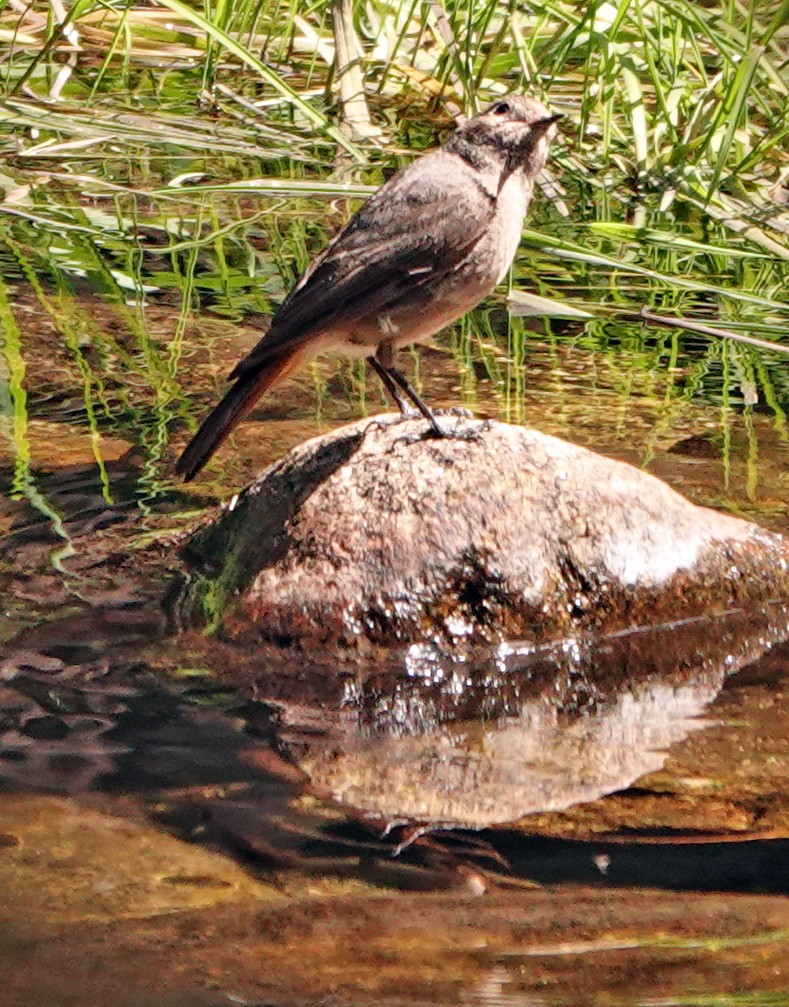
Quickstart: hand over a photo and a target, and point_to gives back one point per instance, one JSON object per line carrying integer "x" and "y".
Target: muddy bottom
{"x": 573, "y": 946}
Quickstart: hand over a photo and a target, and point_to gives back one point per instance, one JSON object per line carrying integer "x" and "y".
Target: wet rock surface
{"x": 375, "y": 534}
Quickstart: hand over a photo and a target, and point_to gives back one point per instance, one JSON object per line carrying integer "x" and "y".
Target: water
{"x": 185, "y": 823}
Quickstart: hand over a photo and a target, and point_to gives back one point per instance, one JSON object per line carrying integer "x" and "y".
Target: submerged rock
{"x": 375, "y": 534}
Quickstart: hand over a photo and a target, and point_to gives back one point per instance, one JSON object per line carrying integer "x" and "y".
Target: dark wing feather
{"x": 237, "y": 401}
{"x": 428, "y": 217}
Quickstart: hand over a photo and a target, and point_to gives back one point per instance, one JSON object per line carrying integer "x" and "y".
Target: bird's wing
{"x": 422, "y": 224}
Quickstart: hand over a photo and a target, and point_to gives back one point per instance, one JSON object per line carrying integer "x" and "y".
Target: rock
{"x": 75, "y": 446}
{"x": 376, "y": 535}
{"x": 69, "y": 863}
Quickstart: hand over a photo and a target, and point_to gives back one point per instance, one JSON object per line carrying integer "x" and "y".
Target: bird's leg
{"x": 395, "y": 382}
{"x": 390, "y": 386}
{"x": 420, "y": 404}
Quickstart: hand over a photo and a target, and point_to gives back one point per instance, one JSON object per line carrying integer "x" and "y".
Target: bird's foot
{"x": 460, "y": 430}
{"x": 459, "y": 411}
{"x": 386, "y": 420}
{"x": 465, "y": 428}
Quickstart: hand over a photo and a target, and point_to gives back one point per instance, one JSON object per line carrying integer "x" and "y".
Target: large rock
{"x": 374, "y": 534}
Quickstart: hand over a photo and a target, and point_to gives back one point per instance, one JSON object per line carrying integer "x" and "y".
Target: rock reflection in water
{"x": 426, "y": 741}
{"x": 474, "y": 743}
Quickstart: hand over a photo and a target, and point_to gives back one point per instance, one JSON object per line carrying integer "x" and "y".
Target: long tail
{"x": 238, "y": 400}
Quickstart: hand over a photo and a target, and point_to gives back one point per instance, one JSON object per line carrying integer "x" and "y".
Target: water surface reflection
{"x": 484, "y": 741}
{"x": 419, "y": 741}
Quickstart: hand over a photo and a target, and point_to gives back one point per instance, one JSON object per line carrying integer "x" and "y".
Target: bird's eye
{"x": 502, "y": 108}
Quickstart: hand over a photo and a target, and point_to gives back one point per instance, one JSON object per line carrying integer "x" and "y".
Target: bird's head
{"x": 515, "y": 130}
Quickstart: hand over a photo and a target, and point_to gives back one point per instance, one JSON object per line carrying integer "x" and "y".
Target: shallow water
{"x": 184, "y": 825}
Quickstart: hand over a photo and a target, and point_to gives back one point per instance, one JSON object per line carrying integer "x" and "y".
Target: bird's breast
{"x": 511, "y": 206}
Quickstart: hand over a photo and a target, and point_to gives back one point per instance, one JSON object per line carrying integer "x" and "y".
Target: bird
{"x": 432, "y": 242}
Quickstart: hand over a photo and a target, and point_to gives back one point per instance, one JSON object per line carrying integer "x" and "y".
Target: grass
{"x": 192, "y": 158}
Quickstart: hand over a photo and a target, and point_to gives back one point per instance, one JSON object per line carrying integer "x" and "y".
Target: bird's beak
{"x": 549, "y": 120}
